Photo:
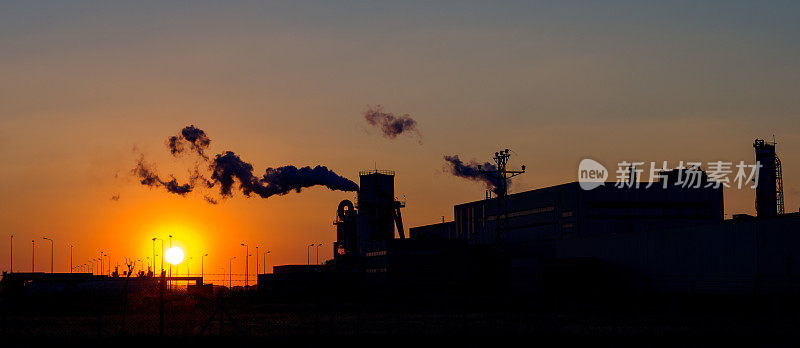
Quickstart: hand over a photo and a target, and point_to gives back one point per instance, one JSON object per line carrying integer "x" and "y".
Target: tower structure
{"x": 502, "y": 175}
{"x": 769, "y": 192}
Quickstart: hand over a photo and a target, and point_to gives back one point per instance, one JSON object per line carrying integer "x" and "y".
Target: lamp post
{"x": 230, "y": 272}
{"x": 162, "y": 256}
{"x": 201, "y": 267}
{"x": 265, "y": 261}
{"x": 70, "y": 258}
{"x": 11, "y": 270}
{"x": 256, "y": 261}
{"x": 246, "y": 263}
{"x": 318, "y": 245}
{"x": 33, "y": 256}
{"x": 308, "y": 254}
{"x": 154, "y": 254}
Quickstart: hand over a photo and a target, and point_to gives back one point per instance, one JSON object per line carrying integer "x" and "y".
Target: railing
{"x": 376, "y": 171}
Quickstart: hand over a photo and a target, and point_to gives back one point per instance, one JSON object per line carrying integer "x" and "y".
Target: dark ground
{"x": 251, "y": 319}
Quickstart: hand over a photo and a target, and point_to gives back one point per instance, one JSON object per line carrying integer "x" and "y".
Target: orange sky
{"x": 86, "y": 90}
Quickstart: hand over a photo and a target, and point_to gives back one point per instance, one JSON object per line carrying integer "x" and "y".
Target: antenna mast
{"x": 502, "y": 175}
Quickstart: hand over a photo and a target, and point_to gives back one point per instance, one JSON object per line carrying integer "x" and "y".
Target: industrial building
{"x": 621, "y": 238}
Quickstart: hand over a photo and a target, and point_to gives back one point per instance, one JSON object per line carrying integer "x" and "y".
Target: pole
{"x": 256, "y": 260}
{"x": 308, "y": 254}
{"x": 318, "y": 245}
{"x": 265, "y": 261}
{"x": 161, "y": 305}
{"x": 202, "y": 273}
{"x": 154, "y": 254}
{"x": 70, "y": 258}
{"x": 230, "y": 272}
{"x": 170, "y": 265}
{"x": 33, "y": 256}
{"x": 11, "y": 270}
{"x": 246, "y": 262}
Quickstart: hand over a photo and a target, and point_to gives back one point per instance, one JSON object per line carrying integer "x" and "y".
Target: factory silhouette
{"x": 550, "y": 247}
{"x": 562, "y": 240}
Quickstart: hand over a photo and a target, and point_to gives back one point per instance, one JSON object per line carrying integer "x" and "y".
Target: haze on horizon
{"x": 88, "y": 87}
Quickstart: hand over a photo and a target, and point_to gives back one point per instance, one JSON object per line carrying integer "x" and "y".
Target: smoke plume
{"x": 228, "y": 168}
{"x": 390, "y": 124}
{"x": 148, "y": 177}
{"x": 470, "y": 171}
{"x": 229, "y": 172}
{"x": 196, "y": 139}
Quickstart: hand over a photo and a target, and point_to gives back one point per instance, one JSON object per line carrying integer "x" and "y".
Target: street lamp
{"x": 162, "y": 254}
{"x": 33, "y": 256}
{"x": 308, "y": 254}
{"x": 318, "y": 245}
{"x": 70, "y": 258}
{"x": 246, "y": 263}
{"x": 201, "y": 267}
{"x": 230, "y": 272}
{"x": 11, "y": 270}
{"x": 256, "y": 261}
{"x": 265, "y": 261}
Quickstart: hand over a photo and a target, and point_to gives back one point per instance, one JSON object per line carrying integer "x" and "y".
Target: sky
{"x": 89, "y": 87}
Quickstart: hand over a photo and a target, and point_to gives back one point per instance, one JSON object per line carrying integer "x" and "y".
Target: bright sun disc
{"x": 174, "y": 255}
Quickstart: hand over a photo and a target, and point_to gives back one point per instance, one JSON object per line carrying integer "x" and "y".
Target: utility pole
{"x": 502, "y": 175}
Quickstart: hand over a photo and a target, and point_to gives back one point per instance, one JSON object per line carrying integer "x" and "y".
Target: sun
{"x": 174, "y": 255}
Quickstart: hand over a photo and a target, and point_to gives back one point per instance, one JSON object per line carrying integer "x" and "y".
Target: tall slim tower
{"x": 502, "y": 175}
{"x": 769, "y": 193}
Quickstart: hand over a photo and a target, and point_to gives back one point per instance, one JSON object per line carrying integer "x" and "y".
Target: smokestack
{"x": 766, "y": 191}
